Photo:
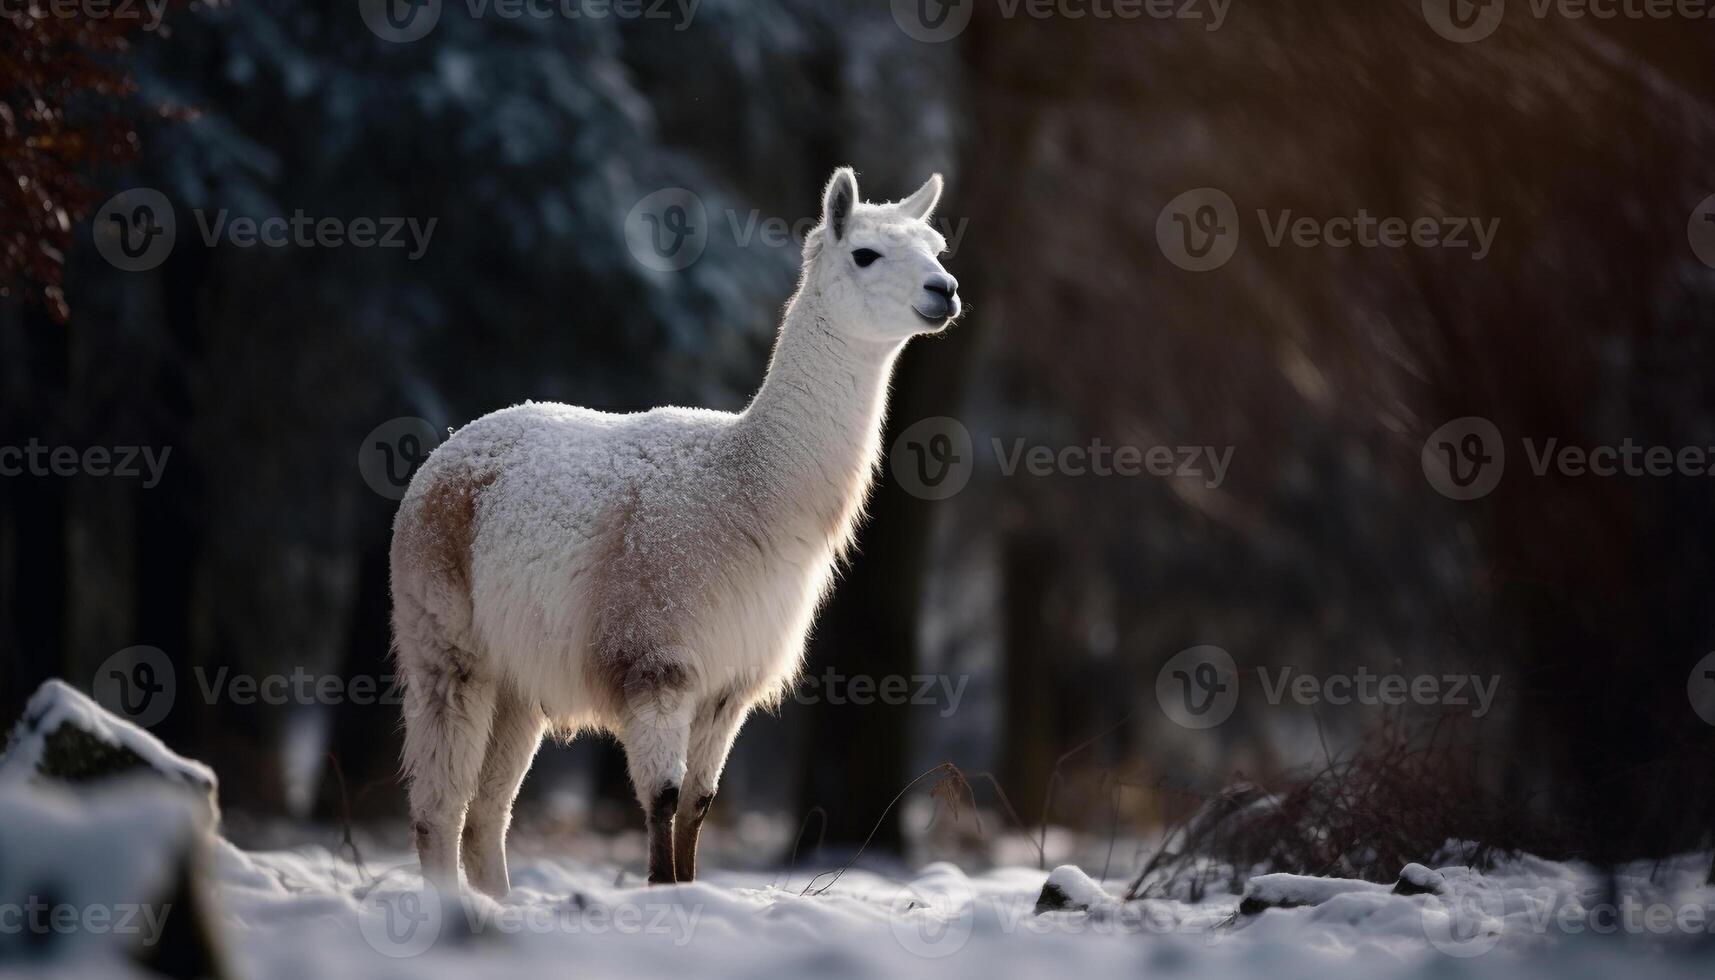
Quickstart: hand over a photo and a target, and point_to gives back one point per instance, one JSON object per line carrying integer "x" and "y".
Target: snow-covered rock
{"x": 1286, "y": 891}
{"x": 1068, "y": 888}
{"x": 66, "y": 737}
{"x": 99, "y": 883}
{"x": 1415, "y": 879}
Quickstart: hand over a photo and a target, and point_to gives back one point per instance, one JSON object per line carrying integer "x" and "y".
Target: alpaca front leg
{"x": 657, "y": 735}
{"x": 712, "y": 735}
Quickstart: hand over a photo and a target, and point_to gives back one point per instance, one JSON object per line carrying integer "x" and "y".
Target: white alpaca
{"x": 652, "y": 574}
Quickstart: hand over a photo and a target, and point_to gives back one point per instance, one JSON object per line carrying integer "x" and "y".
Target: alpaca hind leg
{"x": 712, "y": 735}
{"x": 512, "y": 743}
{"x": 448, "y": 712}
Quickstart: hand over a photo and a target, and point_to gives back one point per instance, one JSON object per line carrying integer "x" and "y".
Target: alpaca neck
{"x": 816, "y": 421}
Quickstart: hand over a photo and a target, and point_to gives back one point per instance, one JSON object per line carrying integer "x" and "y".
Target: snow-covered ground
{"x": 91, "y": 879}
{"x": 306, "y": 913}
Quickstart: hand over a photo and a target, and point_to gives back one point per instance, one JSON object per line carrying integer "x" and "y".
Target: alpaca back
{"x": 561, "y": 544}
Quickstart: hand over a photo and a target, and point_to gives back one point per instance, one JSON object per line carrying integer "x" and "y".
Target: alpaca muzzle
{"x": 941, "y": 302}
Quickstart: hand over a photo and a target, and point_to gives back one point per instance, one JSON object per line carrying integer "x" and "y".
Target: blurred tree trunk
{"x": 1011, "y": 87}
{"x": 1030, "y": 734}
{"x": 855, "y": 754}
{"x": 366, "y": 738}
{"x": 32, "y": 518}
{"x": 35, "y": 583}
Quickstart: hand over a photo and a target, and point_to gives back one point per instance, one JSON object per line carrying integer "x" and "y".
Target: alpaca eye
{"x": 864, "y": 256}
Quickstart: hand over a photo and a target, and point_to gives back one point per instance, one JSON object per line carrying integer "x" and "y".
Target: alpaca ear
{"x": 922, "y": 204}
{"x": 838, "y": 200}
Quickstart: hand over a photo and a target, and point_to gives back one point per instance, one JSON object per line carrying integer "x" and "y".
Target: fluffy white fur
{"x": 652, "y": 574}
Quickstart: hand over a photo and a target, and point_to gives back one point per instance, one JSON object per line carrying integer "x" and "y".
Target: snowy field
{"x": 92, "y": 879}
{"x": 305, "y": 912}
{"x": 308, "y": 914}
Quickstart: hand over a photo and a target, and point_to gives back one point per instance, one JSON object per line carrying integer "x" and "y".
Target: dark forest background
{"x": 1058, "y": 599}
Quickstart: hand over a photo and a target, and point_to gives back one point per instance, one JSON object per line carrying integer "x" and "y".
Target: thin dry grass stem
{"x": 1011, "y": 812}
{"x": 948, "y": 772}
{"x": 821, "y": 835}
{"x": 347, "y": 842}
{"x": 1054, "y": 777}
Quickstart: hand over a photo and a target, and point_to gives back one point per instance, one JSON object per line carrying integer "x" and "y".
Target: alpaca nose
{"x": 945, "y": 305}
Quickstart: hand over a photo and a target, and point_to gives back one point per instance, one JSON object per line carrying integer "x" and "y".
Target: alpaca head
{"x": 875, "y": 266}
